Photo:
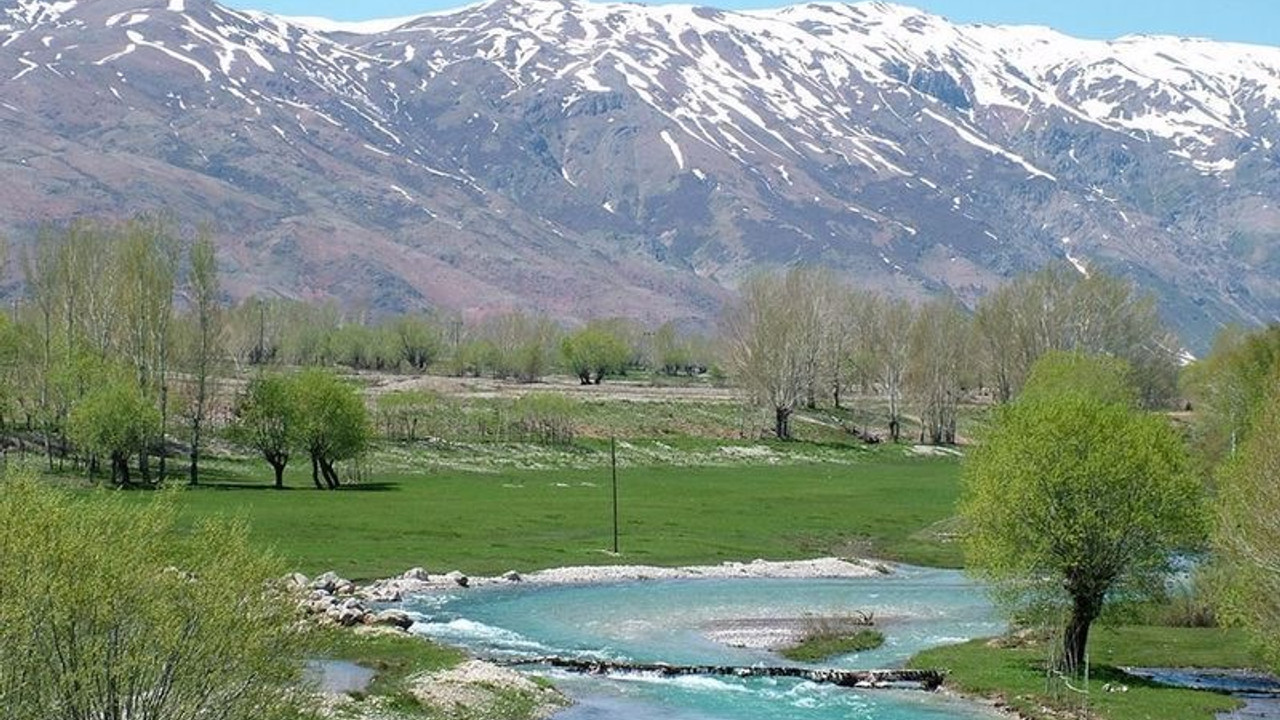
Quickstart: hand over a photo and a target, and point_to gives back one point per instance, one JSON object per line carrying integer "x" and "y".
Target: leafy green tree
{"x": 333, "y": 423}
{"x": 1229, "y": 386}
{"x": 1247, "y": 535}
{"x": 266, "y": 420}
{"x": 108, "y": 610}
{"x": 1107, "y": 379}
{"x": 419, "y": 339}
{"x": 1074, "y": 499}
{"x": 595, "y": 351}
{"x": 113, "y": 420}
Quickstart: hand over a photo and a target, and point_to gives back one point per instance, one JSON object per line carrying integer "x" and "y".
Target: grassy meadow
{"x": 874, "y": 502}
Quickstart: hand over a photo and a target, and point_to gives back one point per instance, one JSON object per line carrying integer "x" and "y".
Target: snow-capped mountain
{"x": 592, "y": 159}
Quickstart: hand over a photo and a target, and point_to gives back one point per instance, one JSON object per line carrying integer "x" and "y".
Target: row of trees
{"x": 512, "y": 346}
{"x": 125, "y": 338}
{"x": 800, "y": 337}
{"x": 312, "y": 412}
{"x": 131, "y": 303}
{"x": 100, "y": 334}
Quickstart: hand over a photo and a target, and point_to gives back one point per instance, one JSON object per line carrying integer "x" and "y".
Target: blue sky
{"x": 1255, "y": 21}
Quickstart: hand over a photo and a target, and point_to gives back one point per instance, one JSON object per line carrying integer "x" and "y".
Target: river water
{"x": 668, "y": 621}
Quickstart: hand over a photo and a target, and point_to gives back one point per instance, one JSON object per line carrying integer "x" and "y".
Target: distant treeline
{"x": 124, "y": 332}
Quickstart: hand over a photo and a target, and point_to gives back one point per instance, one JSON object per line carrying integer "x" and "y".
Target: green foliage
{"x": 114, "y": 420}
{"x": 1229, "y": 387}
{"x": 266, "y": 420}
{"x": 1014, "y": 673}
{"x": 107, "y": 611}
{"x": 595, "y": 351}
{"x": 546, "y": 418}
{"x": 825, "y": 643}
{"x": 1070, "y": 502}
{"x": 333, "y": 422}
{"x": 419, "y": 341}
{"x": 1105, "y": 379}
{"x": 1248, "y": 535}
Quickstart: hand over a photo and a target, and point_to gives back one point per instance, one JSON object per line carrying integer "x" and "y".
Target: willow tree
{"x": 333, "y": 423}
{"x": 1248, "y": 531}
{"x": 771, "y": 335}
{"x": 1058, "y": 308}
{"x": 109, "y": 610}
{"x": 1074, "y": 499}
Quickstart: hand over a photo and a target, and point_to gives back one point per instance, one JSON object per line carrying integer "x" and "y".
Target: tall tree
{"x": 1229, "y": 386}
{"x": 41, "y": 269}
{"x": 1058, "y": 308}
{"x": 205, "y": 347}
{"x": 889, "y": 338}
{"x": 770, "y": 334}
{"x": 333, "y": 423}
{"x": 266, "y": 420}
{"x": 147, "y": 261}
{"x": 1247, "y": 535}
{"x": 936, "y": 372}
{"x": 1073, "y": 500}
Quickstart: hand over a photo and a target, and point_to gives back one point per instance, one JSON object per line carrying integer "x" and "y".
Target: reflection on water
{"x": 338, "y": 676}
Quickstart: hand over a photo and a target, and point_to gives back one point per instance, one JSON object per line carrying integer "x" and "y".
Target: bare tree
{"x": 204, "y": 348}
{"x": 940, "y": 336}
{"x": 770, "y": 335}
{"x": 889, "y": 339}
{"x": 1058, "y": 308}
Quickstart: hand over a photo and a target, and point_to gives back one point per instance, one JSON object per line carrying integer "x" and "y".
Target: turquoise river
{"x": 668, "y": 621}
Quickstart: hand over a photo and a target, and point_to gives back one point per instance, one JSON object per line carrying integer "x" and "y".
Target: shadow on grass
{"x": 370, "y": 487}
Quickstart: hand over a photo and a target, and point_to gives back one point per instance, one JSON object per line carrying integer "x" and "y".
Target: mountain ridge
{"x": 587, "y": 159}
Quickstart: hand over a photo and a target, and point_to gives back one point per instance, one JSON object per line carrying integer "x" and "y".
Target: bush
{"x": 545, "y": 418}
{"x": 106, "y": 611}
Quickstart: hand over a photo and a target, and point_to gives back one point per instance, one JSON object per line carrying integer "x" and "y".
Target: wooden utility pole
{"x": 613, "y": 462}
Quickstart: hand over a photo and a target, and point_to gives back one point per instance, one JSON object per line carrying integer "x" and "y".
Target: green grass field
{"x": 871, "y": 503}
{"x": 1016, "y": 676}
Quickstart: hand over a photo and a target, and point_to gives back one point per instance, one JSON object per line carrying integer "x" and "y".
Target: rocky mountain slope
{"x": 596, "y": 159}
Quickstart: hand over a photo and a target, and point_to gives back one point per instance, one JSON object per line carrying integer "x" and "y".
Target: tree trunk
{"x": 330, "y": 475}
{"x": 277, "y": 466}
{"x": 164, "y": 427}
{"x": 894, "y": 428}
{"x": 144, "y": 465}
{"x": 1075, "y": 638}
{"x": 782, "y": 423}
{"x": 120, "y": 469}
{"x": 315, "y": 471}
{"x": 195, "y": 449}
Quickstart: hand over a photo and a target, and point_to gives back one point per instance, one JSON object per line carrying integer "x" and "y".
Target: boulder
{"x": 459, "y": 579}
{"x": 296, "y": 582}
{"x": 512, "y": 576}
{"x": 350, "y": 616}
{"x": 328, "y": 582}
{"x": 418, "y": 574}
{"x": 383, "y": 594}
{"x": 394, "y": 618}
